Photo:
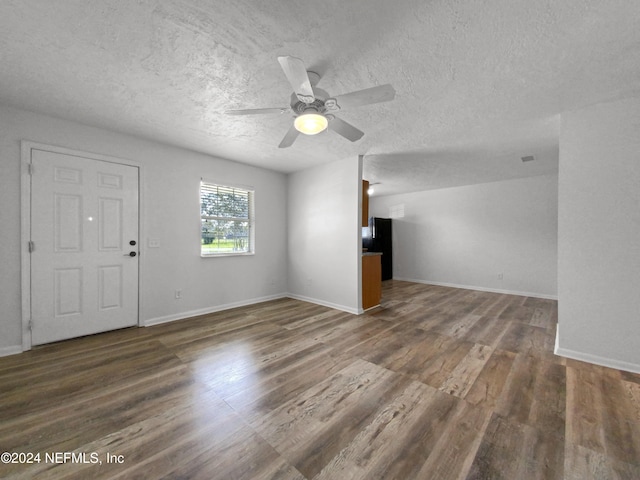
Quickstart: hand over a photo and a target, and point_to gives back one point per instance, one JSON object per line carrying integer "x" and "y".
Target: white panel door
{"x": 84, "y": 263}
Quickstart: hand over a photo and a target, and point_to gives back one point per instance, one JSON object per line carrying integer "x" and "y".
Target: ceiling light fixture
{"x": 311, "y": 122}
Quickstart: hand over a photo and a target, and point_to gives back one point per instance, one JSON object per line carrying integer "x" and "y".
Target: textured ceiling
{"x": 478, "y": 84}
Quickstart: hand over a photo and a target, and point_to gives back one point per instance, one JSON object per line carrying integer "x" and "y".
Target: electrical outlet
{"x": 178, "y": 294}
{"x": 500, "y": 276}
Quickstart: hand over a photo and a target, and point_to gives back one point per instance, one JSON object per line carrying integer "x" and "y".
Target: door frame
{"x": 26, "y": 148}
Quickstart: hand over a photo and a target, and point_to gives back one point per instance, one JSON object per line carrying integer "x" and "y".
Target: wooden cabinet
{"x": 365, "y": 203}
{"x": 371, "y": 281}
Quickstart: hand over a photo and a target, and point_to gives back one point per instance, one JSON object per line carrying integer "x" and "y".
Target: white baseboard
{"x": 344, "y": 308}
{"x": 12, "y": 350}
{"x": 597, "y": 360}
{"x": 480, "y": 289}
{"x": 204, "y": 311}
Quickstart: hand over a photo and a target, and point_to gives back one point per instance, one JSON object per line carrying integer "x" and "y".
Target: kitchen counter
{"x": 371, "y": 279}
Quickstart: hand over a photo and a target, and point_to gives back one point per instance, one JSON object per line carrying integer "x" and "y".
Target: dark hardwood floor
{"x": 438, "y": 383}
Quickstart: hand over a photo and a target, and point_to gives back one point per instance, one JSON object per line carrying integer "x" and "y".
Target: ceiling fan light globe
{"x": 311, "y": 123}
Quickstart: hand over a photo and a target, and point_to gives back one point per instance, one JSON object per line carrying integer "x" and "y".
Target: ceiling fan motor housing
{"x": 299, "y": 107}
{"x": 322, "y": 103}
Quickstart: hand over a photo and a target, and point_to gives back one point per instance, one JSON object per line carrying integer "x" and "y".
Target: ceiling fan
{"x": 313, "y": 109}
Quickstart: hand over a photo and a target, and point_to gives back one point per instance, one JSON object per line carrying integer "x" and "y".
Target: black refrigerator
{"x": 377, "y": 238}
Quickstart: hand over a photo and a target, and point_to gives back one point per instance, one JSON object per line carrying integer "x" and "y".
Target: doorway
{"x": 83, "y": 247}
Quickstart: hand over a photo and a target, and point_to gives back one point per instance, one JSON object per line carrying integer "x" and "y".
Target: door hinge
{"x": 31, "y": 246}
{"x": 30, "y": 326}
{"x": 31, "y": 169}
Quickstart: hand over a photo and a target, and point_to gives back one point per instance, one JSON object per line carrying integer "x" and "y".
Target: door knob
{"x": 130, "y": 254}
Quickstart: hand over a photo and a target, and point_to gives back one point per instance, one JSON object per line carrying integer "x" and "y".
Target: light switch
{"x": 153, "y": 243}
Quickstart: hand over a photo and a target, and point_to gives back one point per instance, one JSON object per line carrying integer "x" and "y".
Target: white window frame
{"x": 251, "y": 220}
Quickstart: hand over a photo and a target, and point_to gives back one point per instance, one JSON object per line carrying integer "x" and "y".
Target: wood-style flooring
{"x": 437, "y": 383}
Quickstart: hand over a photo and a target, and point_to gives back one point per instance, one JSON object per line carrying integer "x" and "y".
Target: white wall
{"x": 324, "y": 234}
{"x": 467, "y": 236}
{"x": 599, "y": 235}
{"x": 170, "y": 214}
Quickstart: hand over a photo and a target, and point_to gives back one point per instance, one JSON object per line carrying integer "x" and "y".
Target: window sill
{"x": 232, "y": 254}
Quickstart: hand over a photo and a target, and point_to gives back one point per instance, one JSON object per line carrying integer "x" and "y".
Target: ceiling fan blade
{"x": 257, "y": 111}
{"x": 382, "y": 93}
{"x": 289, "y": 138}
{"x": 296, "y": 73}
{"x": 345, "y": 129}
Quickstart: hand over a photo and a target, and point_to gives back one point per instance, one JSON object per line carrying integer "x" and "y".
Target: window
{"x": 226, "y": 217}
